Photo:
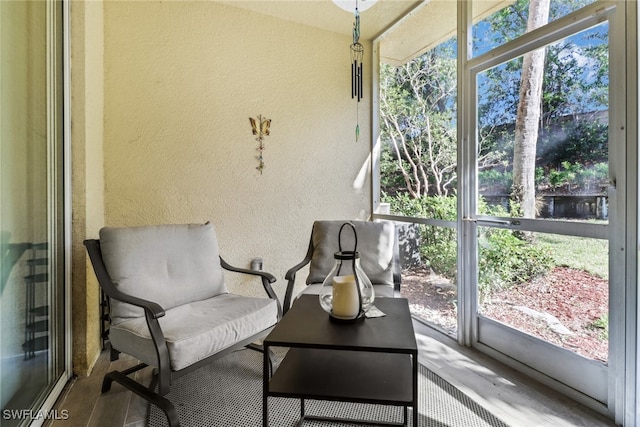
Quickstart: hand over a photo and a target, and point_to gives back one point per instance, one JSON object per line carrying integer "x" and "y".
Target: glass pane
{"x": 418, "y": 176}
{"x": 550, "y": 286}
{"x": 496, "y": 27}
{"x": 32, "y": 277}
{"x": 545, "y": 154}
{"x": 418, "y": 126}
{"x": 429, "y": 257}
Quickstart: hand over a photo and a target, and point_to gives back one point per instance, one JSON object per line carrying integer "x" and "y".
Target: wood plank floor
{"x": 512, "y": 397}
{"x": 87, "y": 406}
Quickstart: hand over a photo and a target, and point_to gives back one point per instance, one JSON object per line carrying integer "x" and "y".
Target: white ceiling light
{"x": 350, "y": 5}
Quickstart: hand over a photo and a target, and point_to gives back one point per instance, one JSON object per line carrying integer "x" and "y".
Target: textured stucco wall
{"x": 181, "y": 81}
{"x": 87, "y": 40}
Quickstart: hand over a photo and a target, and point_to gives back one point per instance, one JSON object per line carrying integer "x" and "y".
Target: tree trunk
{"x": 528, "y": 117}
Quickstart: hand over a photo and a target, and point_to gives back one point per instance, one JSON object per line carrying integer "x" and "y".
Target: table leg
{"x": 265, "y": 385}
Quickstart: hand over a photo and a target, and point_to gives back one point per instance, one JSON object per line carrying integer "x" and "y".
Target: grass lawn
{"x": 582, "y": 253}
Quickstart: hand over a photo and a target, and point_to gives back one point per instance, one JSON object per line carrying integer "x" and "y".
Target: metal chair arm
{"x": 152, "y": 308}
{"x": 268, "y": 276}
{"x": 290, "y": 276}
{"x": 267, "y": 280}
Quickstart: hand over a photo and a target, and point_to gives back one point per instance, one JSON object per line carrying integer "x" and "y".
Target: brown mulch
{"x": 573, "y": 299}
{"x": 431, "y": 297}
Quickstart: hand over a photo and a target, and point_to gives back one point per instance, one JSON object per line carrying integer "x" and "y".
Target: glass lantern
{"x": 346, "y": 293}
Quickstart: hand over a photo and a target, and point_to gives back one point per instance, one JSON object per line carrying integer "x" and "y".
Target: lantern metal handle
{"x": 353, "y": 262}
{"x": 355, "y": 235}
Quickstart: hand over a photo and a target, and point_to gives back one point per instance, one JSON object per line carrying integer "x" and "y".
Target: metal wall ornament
{"x": 260, "y": 127}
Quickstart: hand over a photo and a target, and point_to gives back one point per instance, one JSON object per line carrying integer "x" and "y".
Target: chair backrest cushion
{"x": 376, "y": 242}
{"x": 171, "y": 265}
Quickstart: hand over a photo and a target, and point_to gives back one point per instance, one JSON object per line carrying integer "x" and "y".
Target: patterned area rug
{"x": 228, "y": 393}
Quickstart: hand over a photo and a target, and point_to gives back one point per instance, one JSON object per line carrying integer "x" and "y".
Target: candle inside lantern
{"x": 345, "y": 297}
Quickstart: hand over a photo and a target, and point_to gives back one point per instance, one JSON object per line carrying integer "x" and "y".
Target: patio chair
{"x": 169, "y": 305}
{"x": 379, "y": 257}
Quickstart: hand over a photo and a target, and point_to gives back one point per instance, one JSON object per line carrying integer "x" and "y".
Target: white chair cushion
{"x": 197, "y": 330}
{"x": 375, "y": 245}
{"x": 171, "y": 265}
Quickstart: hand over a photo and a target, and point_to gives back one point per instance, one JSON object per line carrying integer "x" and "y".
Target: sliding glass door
{"x": 541, "y": 216}
{"x": 33, "y": 350}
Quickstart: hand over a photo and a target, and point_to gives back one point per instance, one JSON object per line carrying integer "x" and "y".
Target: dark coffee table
{"x": 373, "y": 361}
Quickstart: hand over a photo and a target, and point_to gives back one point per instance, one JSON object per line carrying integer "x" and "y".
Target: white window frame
{"x": 624, "y": 360}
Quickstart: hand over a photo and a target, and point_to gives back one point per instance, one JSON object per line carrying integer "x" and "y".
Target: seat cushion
{"x": 197, "y": 330}
{"x": 376, "y": 242}
{"x": 171, "y": 265}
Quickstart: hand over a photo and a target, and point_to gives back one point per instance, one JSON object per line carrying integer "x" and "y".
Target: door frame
{"x": 616, "y": 397}
{"x": 52, "y": 72}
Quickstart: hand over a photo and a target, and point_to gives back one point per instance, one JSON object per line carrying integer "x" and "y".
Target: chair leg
{"x": 114, "y": 354}
{"x": 161, "y": 402}
{"x": 109, "y": 378}
{"x": 260, "y": 348}
{"x": 106, "y": 382}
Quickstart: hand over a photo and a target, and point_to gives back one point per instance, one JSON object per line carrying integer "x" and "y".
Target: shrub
{"x": 602, "y": 324}
{"x": 438, "y": 248}
{"x": 439, "y": 244}
{"x": 575, "y": 176}
{"x": 505, "y": 258}
{"x": 498, "y": 180}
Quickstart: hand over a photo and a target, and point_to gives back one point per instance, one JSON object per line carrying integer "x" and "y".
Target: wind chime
{"x": 357, "y": 54}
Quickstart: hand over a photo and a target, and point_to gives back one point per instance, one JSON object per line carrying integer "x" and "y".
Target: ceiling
{"x": 327, "y": 15}
{"x": 405, "y": 28}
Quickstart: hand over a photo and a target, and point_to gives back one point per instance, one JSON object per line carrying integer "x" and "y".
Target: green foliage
{"x": 438, "y": 248}
{"x": 508, "y": 258}
{"x": 499, "y": 181}
{"x": 391, "y": 181}
{"x": 568, "y": 87}
{"x": 539, "y": 176}
{"x": 579, "y": 141}
{"x": 564, "y": 176}
{"x": 417, "y": 126}
{"x": 418, "y": 109}
{"x": 601, "y": 171}
{"x": 439, "y": 244}
{"x": 435, "y": 207}
{"x": 602, "y": 323}
{"x": 571, "y": 155}
{"x": 575, "y": 176}
{"x": 505, "y": 258}
{"x": 580, "y": 253}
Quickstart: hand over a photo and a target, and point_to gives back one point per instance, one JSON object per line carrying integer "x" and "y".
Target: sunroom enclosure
{"x": 527, "y": 275}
